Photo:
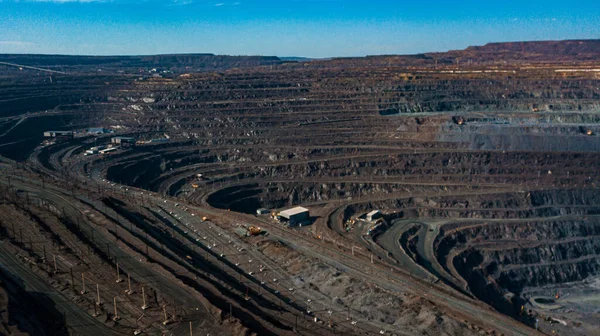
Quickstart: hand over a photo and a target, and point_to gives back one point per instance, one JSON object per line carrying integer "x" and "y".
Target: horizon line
{"x": 280, "y": 57}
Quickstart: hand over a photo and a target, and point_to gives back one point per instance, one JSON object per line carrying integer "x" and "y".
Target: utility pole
{"x": 119, "y": 280}
{"x": 137, "y": 329}
{"x": 98, "y": 302}
{"x": 116, "y": 317}
{"x": 144, "y": 305}
{"x": 165, "y": 321}
{"x": 82, "y": 284}
{"x": 95, "y": 311}
{"x": 129, "y": 291}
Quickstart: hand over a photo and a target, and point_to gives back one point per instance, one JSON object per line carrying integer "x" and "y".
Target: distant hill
{"x": 505, "y": 52}
{"x": 568, "y": 47}
{"x": 568, "y": 50}
{"x": 175, "y": 62}
{"x": 296, "y": 59}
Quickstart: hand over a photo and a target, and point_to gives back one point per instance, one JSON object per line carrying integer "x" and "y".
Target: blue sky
{"x": 313, "y": 28}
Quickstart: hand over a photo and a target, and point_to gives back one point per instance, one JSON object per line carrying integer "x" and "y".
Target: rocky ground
{"x": 485, "y": 172}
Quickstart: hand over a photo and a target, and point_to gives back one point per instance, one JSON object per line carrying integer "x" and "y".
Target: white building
{"x": 295, "y": 216}
{"x": 374, "y": 215}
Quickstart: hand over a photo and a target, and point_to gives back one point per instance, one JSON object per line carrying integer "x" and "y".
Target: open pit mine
{"x": 452, "y": 193}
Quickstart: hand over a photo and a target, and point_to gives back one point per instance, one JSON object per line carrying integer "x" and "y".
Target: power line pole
{"x": 98, "y": 301}
{"x": 82, "y": 284}
{"x": 165, "y": 321}
{"x": 119, "y": 280}
{"x": 129, "y": 291}
{"x": 116, "y": 317}
{"x": 144, "y": 305}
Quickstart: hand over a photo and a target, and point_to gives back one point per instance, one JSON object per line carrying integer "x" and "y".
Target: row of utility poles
{"x": 129, "y": 291}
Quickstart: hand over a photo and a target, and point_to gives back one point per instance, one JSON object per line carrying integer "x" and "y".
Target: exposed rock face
{"x": 490, "y": 154}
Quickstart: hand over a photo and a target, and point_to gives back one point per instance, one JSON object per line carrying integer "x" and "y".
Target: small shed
{"x": 262, "y": 211}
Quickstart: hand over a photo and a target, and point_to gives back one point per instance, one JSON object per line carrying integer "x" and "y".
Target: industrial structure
{"x": 374, "y": 215}
{"x": 59, "y": 134}
{"x": 98, "y": 130}
{"x": 294, "y": 216}
{"x": 94, "y": 150}
{"x": 123, "y": 141}
{"x": 161, "y": 140}
{"x": 107, "y": 150}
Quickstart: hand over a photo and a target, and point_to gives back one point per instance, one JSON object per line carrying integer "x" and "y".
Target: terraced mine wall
{"x": 530, "y": 240}
{"x": 494, "y": 161}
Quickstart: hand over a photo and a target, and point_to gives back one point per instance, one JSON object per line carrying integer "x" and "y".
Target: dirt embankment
{"x": 346, "y": 294}
{"x": 27, "y": 313}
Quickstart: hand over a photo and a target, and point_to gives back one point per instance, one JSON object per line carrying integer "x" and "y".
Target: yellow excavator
{"x": 254, "y": 230}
